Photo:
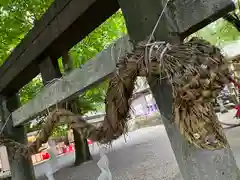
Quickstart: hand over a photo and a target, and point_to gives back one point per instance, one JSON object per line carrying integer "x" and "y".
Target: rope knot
{"x": 155, "y": 50}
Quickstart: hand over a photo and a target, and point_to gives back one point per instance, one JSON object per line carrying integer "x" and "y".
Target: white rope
{"x": 4, "y": 125}
{"x": 157, "y": 23}
{"x": 147, "y": 57}
{"x": 49, "y": 83}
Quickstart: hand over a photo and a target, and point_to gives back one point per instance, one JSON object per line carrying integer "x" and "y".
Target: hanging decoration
{"x": 197, "y": 72}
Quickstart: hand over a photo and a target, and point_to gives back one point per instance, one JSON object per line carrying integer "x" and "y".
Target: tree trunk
{"x": 82, "y": 152}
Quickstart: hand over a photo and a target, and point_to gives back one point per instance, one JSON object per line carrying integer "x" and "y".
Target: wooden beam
{"x": 65, "y": 23}
{"x": 93, "y": 72}
{"x": 195, "y": 16}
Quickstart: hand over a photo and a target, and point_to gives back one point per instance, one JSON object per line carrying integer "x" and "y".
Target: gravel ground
{"x": 146, "y": 155}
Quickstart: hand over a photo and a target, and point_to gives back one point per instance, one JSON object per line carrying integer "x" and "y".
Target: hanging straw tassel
{"x": 197, "y": 72}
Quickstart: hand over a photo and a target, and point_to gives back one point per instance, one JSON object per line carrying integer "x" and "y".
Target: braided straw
{"x": 197, "y": 71}
{"x": 117, "y": 104}
{"x": 196, "y": 83}
{"x": 119, "y": 92}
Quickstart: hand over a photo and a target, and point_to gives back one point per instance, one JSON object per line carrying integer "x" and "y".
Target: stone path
{"x": 147, "y": 155}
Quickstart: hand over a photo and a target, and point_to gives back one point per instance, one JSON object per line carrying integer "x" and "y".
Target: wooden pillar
{"x": 141, "y": 16}
{"x": 49, "y": 69}
{"x": 82, "y": 152}
{"x": 21, "y": 168}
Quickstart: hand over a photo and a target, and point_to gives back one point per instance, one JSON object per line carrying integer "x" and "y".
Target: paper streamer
{"x": 103, "y": 165}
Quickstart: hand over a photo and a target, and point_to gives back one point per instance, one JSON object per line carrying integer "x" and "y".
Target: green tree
{"x": 30, "y": 90}
{"x": 17, "y": 18}
{"x": 221, "y": 32}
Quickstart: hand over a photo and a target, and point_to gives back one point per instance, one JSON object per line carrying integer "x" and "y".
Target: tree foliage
{"x": 18, "y": 17}
{"x": 221, "y": 32}
{"x": 100, "y": 38}
{"x": 30, "y": 90}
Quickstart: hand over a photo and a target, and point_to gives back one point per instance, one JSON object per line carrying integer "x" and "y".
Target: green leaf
{"x": 17, "y": 18}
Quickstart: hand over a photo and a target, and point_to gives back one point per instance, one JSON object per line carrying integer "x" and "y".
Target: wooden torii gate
{"x": 66, "y": 23}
